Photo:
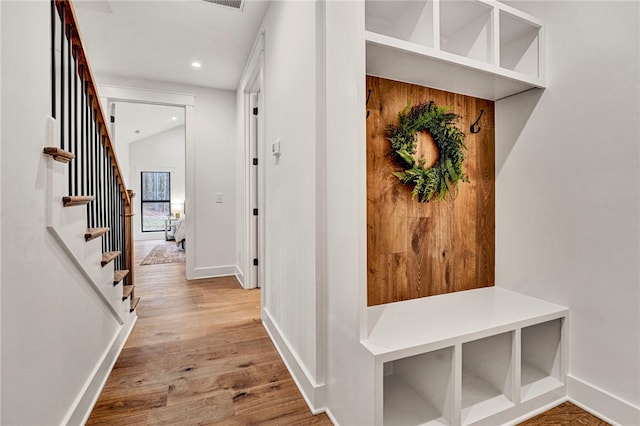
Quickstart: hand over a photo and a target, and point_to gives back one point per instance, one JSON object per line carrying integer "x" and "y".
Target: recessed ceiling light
{"x": 196, "y": 64}
{"x": 174, "y": 118}
{"x": 136, "y": 131}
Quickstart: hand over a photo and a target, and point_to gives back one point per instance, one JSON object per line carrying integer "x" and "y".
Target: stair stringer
{"x": 68, "y": 224}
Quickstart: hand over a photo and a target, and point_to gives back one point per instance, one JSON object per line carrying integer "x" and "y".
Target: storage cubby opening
{"x": 486, "y": 376}
{"x": 406, "y": 20}
{"x": 541, "y": 352}
{"x": 466, "y": 29}
{"x": 519, "y": 48}
{"x": 419, "y": 389}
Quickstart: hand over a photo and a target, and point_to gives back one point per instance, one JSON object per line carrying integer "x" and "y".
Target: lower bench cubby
{"x": 419, "y": 389}
{"x": 486, "y": 376}
{"x": 541, "y": 351}
{"x": 481, "y": 357}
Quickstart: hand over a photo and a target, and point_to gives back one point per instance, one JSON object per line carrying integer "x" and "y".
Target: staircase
{"x": 90, "y": 209}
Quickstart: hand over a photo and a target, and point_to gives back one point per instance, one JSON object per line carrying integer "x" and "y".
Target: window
{"x": 156, "y": 200}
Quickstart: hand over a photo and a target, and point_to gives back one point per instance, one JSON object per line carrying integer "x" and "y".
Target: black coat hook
{"x": 368, "y": 97}
{"x": 473, "y": 128}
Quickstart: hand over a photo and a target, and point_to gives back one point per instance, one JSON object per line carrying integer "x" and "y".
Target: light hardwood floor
{"x": 200, "y": 355}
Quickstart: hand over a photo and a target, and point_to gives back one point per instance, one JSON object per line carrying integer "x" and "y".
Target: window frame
{"x": 143, "y": 201}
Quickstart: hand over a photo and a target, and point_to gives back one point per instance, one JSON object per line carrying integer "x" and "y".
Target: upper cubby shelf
{"x": 478, "y": 48}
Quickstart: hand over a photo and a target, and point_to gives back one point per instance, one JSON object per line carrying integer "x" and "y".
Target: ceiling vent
{"x": 235, "y": 4}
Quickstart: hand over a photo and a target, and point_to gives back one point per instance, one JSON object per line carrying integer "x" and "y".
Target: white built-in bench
{"x": 486, "y": 356}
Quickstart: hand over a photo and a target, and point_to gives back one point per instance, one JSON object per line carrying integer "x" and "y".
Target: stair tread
{"x": 119, "y": 275}
{"x": 134, "y": 304}
{"x": 126, "y": 291}
{"x": 93, "y": 233}
{"x": 58, "y": 154}
{"x": 108, "y": 257}
{"x": 76, "y": 200}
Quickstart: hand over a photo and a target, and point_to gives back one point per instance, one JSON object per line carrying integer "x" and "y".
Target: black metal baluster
{"x": 62, "y": 16}
{"x": 110, "y": 193}
{"x": 53, "y": 58}
{"x": 120, "y": 227}
{"x": 83, "y": 138}
{"x": 69, "y": 102}
{"x": 99, "y": 177}
{"x": 76, "y": 124}
{"x": 90, "y": 162}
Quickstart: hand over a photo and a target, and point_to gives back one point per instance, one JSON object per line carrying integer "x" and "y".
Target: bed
{"x": 180, "y": 233}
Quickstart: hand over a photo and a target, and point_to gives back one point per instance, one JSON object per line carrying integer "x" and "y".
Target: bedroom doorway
{"x": 150, "y": 144}
{"x": 184, "y": 104}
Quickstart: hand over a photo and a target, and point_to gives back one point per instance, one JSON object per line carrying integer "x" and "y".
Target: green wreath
{"x": 442, "y": 179}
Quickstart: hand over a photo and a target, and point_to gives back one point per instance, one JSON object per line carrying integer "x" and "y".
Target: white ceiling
{"x": 159, "y": 39}
{"x": 139, "y": 121}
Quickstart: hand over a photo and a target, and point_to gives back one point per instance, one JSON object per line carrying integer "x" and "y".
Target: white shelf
{"x": 477, "y": 48}
{"x": 402, "y": 329}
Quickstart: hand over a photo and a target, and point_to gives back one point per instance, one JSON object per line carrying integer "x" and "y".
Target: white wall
{"x": 290, "y": 183}
{"x": 54, "y": 326}
{"x": 567, "y": 194}
{"x": 162, "y": 152}
{"x": 210, "y": 167}
{"x": 350, "y": 369}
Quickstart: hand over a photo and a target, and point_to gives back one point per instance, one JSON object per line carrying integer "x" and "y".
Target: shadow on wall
{"x": 520, "y": 107}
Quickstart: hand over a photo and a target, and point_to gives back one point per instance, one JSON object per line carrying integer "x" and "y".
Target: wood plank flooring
{"x": 565, "y": 414}
{"x": 199, "y": 355}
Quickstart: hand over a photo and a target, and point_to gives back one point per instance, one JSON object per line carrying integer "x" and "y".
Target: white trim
{"x": 88, "y": 395}
{"x": 321, "y": 196}
{"x": 214, "y": 271}
{"x": 239, "y": 275}
{"x": 121, "y": 93}
{"x": 601, "y": 403}
{"x": 312, "y": 392}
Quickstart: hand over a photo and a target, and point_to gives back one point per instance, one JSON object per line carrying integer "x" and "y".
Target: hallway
{"x": 198, "y": 355}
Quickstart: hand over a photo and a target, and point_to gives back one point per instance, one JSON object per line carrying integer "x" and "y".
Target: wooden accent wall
{"x": 423, "y": 249}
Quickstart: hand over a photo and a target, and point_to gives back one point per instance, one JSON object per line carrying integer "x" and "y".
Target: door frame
{"x": 111, "y": 93}
{"x": 252, "y": 87}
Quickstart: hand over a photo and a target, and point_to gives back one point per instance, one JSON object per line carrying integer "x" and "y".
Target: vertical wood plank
{"x": 423, "y": 249}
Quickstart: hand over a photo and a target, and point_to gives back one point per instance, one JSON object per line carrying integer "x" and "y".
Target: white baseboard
{"x": 312, "y": 392}
{"x": 601, "y": 403}
{"x": 239, "y": 276}
{"x": 212, "y": 272}
{"x": 86, "y": 400}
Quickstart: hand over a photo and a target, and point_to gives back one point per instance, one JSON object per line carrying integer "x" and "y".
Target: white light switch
{"x": 275, "y": 148}
{"x": 219, "y": 198}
